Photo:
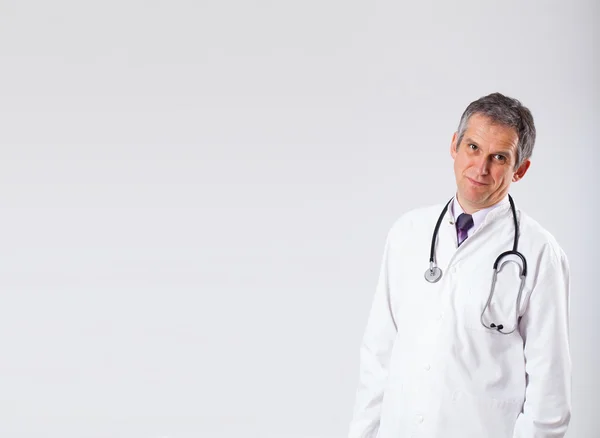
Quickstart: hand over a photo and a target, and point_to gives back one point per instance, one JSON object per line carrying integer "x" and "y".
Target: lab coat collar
{"x": 480, "y": 216}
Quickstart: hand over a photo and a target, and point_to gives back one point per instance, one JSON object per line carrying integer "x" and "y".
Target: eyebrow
{"x": 507, "y": 153}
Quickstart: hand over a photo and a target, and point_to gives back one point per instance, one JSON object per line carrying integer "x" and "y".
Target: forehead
{"x": 487, "y": 133}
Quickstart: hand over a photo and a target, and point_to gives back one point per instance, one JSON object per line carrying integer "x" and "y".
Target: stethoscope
{"x": 434, "y": 273}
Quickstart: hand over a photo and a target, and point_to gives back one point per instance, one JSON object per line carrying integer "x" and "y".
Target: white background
{"x": 194, "y": 197}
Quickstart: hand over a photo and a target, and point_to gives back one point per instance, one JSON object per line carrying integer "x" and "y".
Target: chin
{"x": 474, "y": 198}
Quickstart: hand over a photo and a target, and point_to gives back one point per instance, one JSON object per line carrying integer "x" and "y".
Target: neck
{"x": 467, "y": 208}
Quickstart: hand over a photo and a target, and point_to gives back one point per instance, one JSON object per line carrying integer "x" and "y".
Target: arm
{"x": 545, "y": 330}
{"x": 375, "y": 351}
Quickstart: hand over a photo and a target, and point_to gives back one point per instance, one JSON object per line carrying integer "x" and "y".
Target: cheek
{"x": 460, "y": 164}
{"x": 502, "y": 178}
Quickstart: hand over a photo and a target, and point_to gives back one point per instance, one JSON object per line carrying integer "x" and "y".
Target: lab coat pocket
{"x": 499, "y": 415}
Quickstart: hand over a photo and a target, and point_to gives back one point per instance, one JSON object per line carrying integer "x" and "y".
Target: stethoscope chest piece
{"x": 433, "y": 274}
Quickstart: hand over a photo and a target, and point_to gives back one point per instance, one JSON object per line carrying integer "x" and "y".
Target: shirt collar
{"x": 480, "y": 215}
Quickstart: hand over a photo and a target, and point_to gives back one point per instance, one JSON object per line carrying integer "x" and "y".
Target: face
{"x": 484, "y": 163}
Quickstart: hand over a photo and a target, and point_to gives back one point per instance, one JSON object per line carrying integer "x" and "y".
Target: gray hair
{"x": 504, "y": 111}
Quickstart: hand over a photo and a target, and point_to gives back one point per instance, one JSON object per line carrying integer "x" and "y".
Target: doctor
{"x": 438, "y": 357}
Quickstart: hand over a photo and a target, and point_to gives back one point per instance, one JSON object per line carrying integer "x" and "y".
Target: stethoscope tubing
{"x": 434, "y": 273}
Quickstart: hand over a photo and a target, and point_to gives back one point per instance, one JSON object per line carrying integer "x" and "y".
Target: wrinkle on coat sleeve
{"x": 545, "y": 330}
{"x": 375, "y": 354}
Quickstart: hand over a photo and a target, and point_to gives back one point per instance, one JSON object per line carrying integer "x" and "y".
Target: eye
{"x": 499, "y": 157}
{"x": 473, "y": 146}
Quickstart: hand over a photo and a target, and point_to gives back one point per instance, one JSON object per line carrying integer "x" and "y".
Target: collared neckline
{"x": 480, "y": 216}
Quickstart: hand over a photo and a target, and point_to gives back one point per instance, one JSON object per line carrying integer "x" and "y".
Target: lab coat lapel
{"x": 446, "y": 242}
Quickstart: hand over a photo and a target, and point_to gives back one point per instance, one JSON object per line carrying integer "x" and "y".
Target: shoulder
{"x": 536, "y": 235}
{"x": 415, "y": 220}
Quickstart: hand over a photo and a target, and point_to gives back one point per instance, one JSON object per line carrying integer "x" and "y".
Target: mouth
{"x": 476, "y": 183}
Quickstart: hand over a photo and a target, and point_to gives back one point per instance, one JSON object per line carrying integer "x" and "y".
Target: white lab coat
{"x": 428, "y": 368}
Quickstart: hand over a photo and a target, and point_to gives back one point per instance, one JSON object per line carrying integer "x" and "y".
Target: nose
{"x": 482, "y": 165}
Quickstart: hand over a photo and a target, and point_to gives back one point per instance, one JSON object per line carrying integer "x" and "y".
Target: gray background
{"x": 194, "y": 197}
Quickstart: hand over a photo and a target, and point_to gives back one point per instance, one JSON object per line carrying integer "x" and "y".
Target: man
{"x": 470, "y": 353}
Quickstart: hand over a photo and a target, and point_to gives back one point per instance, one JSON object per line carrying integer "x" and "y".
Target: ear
{"x": 521, "y": 171}
{"x": 453, "y": 145}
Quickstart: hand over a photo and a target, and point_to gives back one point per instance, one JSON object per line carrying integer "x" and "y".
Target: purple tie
{"x": 463, "y": 225}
